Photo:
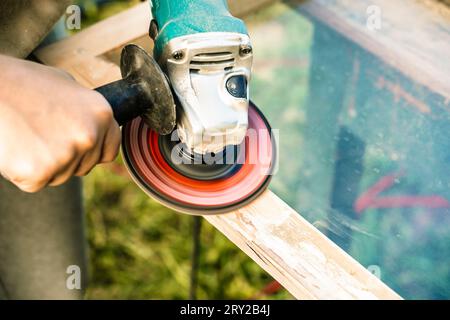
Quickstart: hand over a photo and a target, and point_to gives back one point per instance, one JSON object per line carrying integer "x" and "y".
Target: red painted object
{"x": 371, "y": 199}
{"x": 270, "y": 289}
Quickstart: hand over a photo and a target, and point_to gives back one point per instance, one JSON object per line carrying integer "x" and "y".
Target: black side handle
{"x": 144, "y": 91}
{"x": 126, "y": 99}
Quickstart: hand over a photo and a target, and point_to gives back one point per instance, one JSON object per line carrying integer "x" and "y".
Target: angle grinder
{"x": 191, "y": 138}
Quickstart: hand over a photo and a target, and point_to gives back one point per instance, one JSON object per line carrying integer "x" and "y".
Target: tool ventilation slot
{"x": 212, "y": 61}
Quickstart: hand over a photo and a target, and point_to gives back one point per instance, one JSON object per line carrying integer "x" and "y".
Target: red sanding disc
{"x": 157, "y": 178}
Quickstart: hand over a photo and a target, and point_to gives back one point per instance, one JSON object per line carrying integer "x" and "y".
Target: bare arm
{"x": 51, "y": 128}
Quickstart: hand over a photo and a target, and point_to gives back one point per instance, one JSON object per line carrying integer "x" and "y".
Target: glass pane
{"x": 364, "y": 151}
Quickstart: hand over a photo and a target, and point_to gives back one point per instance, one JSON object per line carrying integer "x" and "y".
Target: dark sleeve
{"x": 25, "y": 23}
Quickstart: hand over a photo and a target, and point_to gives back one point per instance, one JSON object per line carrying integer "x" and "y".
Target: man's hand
{"x": 51, "y": 128}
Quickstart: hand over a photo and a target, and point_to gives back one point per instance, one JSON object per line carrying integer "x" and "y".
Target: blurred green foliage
{"x": 96, "y": 10}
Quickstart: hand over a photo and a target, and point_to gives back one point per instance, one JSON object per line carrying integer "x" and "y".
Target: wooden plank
{"x": 284, "y": 244}
{"x": 414, "y": 37}
{"x": 296, "y": 254}
{"x": 94, "y": 72}
{"x": 99, "y": 38}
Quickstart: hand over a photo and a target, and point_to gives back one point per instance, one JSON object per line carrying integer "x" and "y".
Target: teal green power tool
{"x": 221, "y": 154}
{"x": 207, "y": 55}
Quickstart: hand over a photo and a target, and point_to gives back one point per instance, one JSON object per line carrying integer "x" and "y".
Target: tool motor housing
{"x": 207, "y": 55}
